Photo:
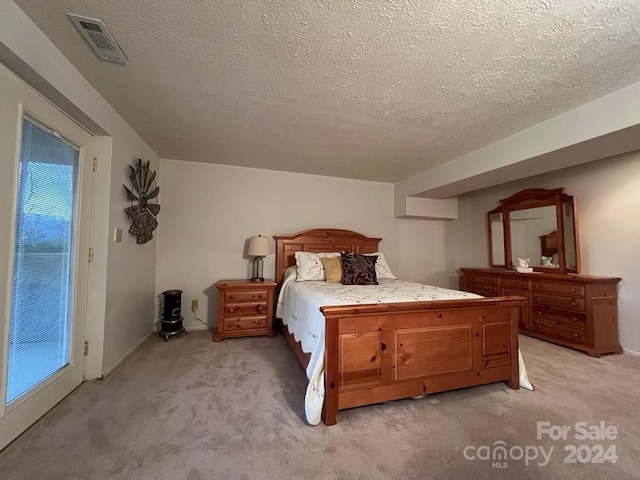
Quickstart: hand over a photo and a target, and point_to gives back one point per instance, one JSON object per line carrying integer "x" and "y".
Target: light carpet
{"x": 193, "y": 409}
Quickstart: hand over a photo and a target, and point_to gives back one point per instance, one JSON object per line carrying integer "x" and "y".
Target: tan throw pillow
{"x": 332, "y": 269}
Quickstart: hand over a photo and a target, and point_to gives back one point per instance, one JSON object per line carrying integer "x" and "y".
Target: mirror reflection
{"x": 568, "y": 218}
{"x": 534, "y": 236}
{"x": 497, "y": 239}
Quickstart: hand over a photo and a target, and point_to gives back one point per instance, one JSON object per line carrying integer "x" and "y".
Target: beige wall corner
{"x": 426, "y": 208}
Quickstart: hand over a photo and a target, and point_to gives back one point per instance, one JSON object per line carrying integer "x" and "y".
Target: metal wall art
{"x": 142, "y": 213}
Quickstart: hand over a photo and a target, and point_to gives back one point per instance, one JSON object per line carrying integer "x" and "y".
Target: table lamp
{"x": 258, "y": 248}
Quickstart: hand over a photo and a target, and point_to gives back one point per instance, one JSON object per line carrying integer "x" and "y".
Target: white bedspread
{"x": 299, "y": 308}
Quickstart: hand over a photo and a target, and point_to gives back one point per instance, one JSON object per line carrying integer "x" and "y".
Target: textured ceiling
{"x": 377, "y": 90}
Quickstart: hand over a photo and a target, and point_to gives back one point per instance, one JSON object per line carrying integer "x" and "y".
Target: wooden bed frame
{"x": 381, "y": 352}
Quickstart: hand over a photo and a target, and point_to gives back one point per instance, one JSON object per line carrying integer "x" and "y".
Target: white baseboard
{"x": 126, "y": 355}
{"x": 197, "y": 327}
{"x": 633, "y": 353}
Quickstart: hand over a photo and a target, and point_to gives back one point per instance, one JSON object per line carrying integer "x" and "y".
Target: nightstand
{"x": 245, "y": 308}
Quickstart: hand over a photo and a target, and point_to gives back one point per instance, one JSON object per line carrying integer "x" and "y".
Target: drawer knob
{"x": 259, "y": 308}
{"x": 573, "y": 304}
{"x": 231, "y": 297}
{"x": 230, "y": 324}
{"x": 259, "y": 295}
{"x": 231, "y": 309}
{"x": 573, "y": 289}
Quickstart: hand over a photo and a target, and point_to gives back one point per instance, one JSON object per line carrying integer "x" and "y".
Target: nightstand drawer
{"x": 248, "y": 308}
{"x": 245, "y": 323}
{"x": 246, "y": 295}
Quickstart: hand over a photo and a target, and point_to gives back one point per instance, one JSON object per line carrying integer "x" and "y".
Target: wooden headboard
{"x": 319, "y": 240}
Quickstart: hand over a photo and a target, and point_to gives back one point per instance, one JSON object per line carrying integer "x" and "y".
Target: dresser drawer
{"x": 247, "y": 308}
{"x": 481, "y": 279}
{"x": 515, "y": 292}
{"x": 246, "y": 296}
{"x": 245, "y": 323}
{"x": 554, "y": 330}
{"x": 569, "y": 303}
{"x": 483, "y": 289}
{"x": 514, "y": 282}
{"x": 562, "y": 288}
{"x": 559, "y": 317}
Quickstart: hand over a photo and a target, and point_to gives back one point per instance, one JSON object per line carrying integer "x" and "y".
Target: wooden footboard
{"x": 376, "y": 353}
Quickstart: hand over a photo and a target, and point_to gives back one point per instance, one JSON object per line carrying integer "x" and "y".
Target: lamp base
{"x": 257, "y": 270}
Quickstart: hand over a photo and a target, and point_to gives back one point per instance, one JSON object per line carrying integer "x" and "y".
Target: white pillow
{"x": 290, "y": 274}
{"x": 310, "y": 267}
{"x": 382, "y": 267}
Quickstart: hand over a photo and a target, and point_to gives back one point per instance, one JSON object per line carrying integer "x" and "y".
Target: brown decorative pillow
{"x": 332, "y": 269}
{"x": 359, "y": 269}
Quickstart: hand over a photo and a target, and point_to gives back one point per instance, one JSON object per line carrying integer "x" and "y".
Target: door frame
{"x": 98, "y": 239}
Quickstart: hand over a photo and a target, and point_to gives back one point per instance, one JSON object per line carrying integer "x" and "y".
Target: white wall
{"x": 123, "y": 279}
{"x": 130, "y": 289}
{"x": 209, "y": 211}
{"x": 607, "y": 194}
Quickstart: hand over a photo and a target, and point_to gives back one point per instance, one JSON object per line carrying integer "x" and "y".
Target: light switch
{"x": 117, "y": 234}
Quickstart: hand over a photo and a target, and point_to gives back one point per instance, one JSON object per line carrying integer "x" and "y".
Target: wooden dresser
{"x": 577, "y": 311}
{"x": 245, "y": 308}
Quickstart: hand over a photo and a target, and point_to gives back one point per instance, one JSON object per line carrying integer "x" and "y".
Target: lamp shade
{"x": 259, "y": 246}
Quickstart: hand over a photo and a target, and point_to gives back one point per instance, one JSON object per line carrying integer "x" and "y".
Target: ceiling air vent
{"x": 98, "y": 37}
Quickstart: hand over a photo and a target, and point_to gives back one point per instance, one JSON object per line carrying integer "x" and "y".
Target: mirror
{"x": 537, "y": 224}
{"x": 570, "y": 232}
{"x": 496, "y": 239}
{"x": 534, "y": 236}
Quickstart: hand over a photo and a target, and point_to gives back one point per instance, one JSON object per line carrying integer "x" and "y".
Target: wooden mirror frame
{"x": 534, "y": 198}
{"x": 492, "y": 263}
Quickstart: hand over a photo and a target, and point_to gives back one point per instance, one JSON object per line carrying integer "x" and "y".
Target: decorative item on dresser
{"x": 245, "y": 308}
{"x": 577, "y": 311}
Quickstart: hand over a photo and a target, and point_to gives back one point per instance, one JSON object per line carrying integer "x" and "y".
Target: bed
{"x": 372, "y": 353}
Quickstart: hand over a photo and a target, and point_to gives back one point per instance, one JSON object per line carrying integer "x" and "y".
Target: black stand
{"x": 172, "y": 327}
{"x": 258, "y": 267}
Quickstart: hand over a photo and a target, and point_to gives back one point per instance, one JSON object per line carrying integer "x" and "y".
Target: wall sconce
{"x": 259, "y": 248}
